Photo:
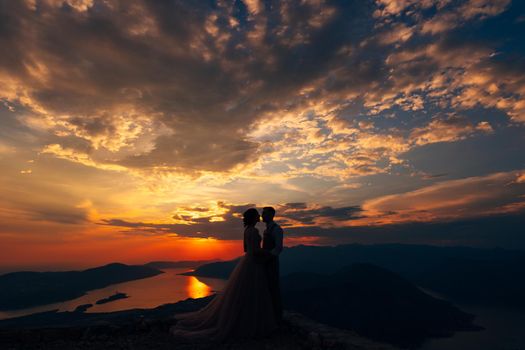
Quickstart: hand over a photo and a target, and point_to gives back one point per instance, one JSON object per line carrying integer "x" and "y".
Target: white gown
{"x": 242, "y": 310}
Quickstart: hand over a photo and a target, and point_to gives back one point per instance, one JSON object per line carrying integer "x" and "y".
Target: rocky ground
{"x": 149, "y": 329}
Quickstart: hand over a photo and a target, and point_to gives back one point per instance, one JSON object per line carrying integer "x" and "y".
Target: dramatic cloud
{"x": 156, "y": 117}
{"x": 192, "y": 80}
{"x": 447, "y": 130}
{"x": 470, "y": 197}
{"x": 183, "y": 88}
{"x": 224, "y": 221}
{"x": 496, "y": 194}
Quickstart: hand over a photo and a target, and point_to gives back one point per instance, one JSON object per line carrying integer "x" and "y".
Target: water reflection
{"x": 168, "y": 287}
{"x": 197, "y": 289}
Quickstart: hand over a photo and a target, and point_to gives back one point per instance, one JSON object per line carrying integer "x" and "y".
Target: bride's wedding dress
{"x": 243, "y": 309}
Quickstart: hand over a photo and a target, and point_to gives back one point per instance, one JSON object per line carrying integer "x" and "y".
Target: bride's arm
{"x": 262, "y": 255}
{"x": 251, "y": 245}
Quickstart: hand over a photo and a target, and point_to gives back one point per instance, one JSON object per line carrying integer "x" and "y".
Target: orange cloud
{"x": 470, "y": 197}
{"x": 447, "y": 130}
{"x": 167, "y": 108}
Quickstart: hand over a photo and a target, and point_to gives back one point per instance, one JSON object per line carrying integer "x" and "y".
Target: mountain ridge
{"x": 24, "y": 289}
{"x": 431, "y": 267}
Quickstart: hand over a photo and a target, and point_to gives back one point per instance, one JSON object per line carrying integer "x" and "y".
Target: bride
{"x": 244, "y": 308}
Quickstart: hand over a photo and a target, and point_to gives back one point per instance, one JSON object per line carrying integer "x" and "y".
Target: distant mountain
{"x": 374, "y": 302}
{"x": 27, "y": 289}
{"x": 484, "y": 276}
{"x": 177, "y": 264}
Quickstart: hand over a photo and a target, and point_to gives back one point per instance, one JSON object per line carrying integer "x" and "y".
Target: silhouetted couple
{"x": 250, "y": 304}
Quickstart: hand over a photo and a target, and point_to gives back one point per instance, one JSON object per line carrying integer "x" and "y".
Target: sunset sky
{"x": 139, "y": 130}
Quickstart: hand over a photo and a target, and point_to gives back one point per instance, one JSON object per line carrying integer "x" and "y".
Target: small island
{"x": 111, "y": 298}
{"x": 83, "y": 307}
{"x": 20, "y": 290}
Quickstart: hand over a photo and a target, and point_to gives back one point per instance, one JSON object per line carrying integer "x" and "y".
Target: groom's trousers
{"x": 272, "y": 268}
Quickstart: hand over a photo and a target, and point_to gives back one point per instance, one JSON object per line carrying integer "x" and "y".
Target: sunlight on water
{"x": 168, "y": 287}
{"x": 197, "y": 289}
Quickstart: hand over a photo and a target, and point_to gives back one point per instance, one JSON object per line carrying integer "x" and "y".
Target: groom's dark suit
{"x": 273, "y": 243}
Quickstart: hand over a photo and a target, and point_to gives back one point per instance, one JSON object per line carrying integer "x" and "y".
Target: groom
{"x": 273, "y": 243}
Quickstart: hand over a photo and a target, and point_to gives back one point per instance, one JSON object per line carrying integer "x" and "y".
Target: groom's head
{"x": 268, "y": 213}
